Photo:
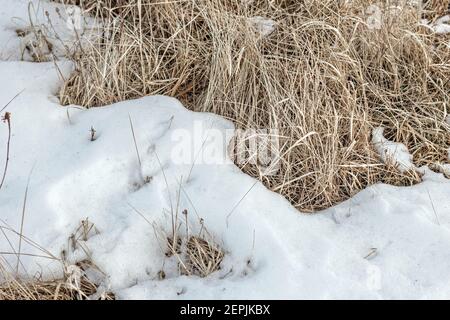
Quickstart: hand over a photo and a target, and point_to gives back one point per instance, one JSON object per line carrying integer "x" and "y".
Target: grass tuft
{"x": 323, "y": 73}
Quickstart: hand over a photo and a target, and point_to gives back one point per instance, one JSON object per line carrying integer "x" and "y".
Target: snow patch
{"x": 263, "y": 25}
{"x": 442, "y": 25}
{"x": 36, "y": 30}
{"x": 392, "y": 151}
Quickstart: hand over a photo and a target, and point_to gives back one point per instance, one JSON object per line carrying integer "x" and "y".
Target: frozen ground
{"x": 386, "y": 242}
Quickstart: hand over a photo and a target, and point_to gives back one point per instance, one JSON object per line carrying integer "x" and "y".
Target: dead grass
{"x": 194, "y": 249}
{"x": 74, "y": 284}
{"x": 67, "y": 288}
{"x": 196, "y": 254}
{"x": 204, "y": 257}
{"x": 324, "y": 79}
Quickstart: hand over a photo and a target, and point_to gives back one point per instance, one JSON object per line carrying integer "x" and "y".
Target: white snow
{"x": 442, "y": 25}
{"x": 385, "y": 243}
{"x": 61, "y": 25}
{"x": 390, "y": 151}
{"x": 263, "y": 25}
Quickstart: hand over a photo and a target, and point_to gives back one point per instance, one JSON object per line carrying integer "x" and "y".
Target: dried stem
{"x": 7, "y": 119}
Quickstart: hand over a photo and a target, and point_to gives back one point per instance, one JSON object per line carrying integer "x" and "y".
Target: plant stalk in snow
{"x": 7, "y": 119}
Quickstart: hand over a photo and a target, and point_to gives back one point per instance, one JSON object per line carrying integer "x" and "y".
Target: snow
{"x": 390, "y": 151}
{"x": 61, "y": 25}
{"x": 264, "y": 26}
{"x": 442, "y": 25}
{"x": 384, "y": 243}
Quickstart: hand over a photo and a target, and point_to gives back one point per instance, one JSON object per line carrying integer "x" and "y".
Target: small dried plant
{"x": 203, "y": 256}
{"x": 74, "y": 284}
{"x": 197, "y": 253}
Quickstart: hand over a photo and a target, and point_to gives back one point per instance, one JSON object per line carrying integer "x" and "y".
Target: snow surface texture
{"x": 264, "y": 26}
{"x": 386, "y": 242}
{"x": 390, "y": 151}
{"x": 442, "y": 25}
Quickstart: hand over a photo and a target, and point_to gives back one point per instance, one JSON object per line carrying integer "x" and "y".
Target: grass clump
{"x": 195, "y": 253}
{"x": 323, "y": 78}
{"x": 75, "y": 282}
{"x": 70, "y": 287}
{"x": 204, "y": 257}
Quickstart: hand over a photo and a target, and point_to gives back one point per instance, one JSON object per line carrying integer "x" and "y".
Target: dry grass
{"x": 74, "y": 284}
{"x": 436, "y": 8}
{"x": 195, "y": 252}
{"x": 67, "y": 288}
{"x": 324, "y": 79}
{"x": 204, "y": 257}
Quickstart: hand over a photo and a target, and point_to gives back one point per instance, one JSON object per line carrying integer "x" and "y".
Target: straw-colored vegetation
{"x": 324, "y": 78}
{"x": 73, "y": 284}
{"x": 66, "y": 288}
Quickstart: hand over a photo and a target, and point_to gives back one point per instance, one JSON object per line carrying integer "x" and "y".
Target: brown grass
{"x": 196, "y": 253}
{"x": 74, "y": 284}
{"x": 12, "y": 288}
{"x": 324, "y": 79}
{"x": 58, "y": 289}
{"x": 204, "y": 257}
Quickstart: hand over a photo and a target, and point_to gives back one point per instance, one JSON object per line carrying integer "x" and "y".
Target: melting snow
{"x": 264, "y": 26}
{"x": 386, "y": 242}
{"x": 392, "y": 151}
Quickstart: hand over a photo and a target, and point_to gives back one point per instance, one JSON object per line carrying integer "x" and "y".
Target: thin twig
{"x": 239, "y": 202}
{"x": 434, "y": 209}
{"x": 14, "y": 98}
{"x": 7, "y": 119}
{"x": 134, "y": 139}
{"x": 23, "y": 220}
